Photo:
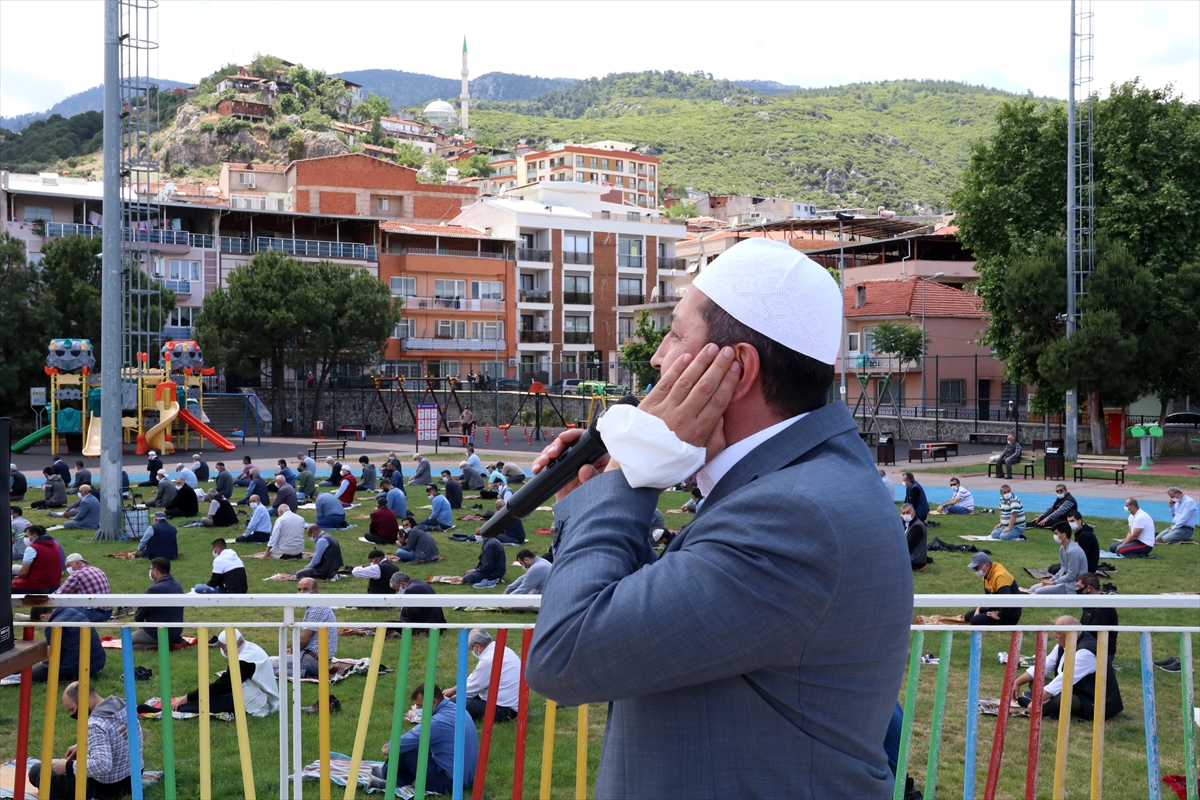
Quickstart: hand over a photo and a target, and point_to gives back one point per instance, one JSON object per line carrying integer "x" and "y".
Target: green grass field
{"x": 1177, "y": 570}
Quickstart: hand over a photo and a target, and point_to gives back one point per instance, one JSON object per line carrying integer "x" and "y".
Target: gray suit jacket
{"x": 762, "y": 654}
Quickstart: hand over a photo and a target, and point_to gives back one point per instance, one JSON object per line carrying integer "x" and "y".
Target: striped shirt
{"x": 1011, "y": 509}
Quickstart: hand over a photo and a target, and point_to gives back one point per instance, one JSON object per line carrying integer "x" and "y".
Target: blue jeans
{"x": 331, "y": 522}
{"x": 405, "y": 555}
{"x": 958, "y": 509}
{"x": 96, "y": 616}
{"x": 1016, "y": 533}
{"x": 204, "y": 588}
{"x": 474, "y": 578}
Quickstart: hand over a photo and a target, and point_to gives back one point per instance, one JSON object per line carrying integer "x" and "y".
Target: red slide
{"x": 208, "y": 433}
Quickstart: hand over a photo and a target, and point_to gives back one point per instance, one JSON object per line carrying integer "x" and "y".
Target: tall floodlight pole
{"x": 924, "y": 283}
{"x": 1070, "y": 412}
{"x": 110, "y": 285}
{"x": 841, "y": 218}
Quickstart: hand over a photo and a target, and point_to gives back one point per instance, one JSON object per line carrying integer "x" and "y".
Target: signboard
{"x": 427, "y": 422}
{"x": 37, "y": 396}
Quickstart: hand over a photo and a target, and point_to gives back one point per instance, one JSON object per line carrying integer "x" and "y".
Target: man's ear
{"x": 751, "y": 367}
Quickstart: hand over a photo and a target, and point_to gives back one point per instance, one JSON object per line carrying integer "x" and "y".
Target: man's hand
{"x": 450, "y": 692}
{"x": 994, "y": 615}
{"x": 177, "y": 702}
{"x": 692, "y": 395}
{"x": 70, "y": 754}
{"x": 555, "y": 449}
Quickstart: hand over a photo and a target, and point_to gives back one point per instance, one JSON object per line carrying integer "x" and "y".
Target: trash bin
{"x": 289, "y": 427}
{"x": 1054, "y": 465}
{"x": 885, "y": 450}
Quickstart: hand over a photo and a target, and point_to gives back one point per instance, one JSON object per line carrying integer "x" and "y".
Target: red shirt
{"x": 385, "y": 525}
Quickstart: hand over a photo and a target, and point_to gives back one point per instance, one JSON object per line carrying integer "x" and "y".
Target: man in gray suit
{"x": 755, "y": 645}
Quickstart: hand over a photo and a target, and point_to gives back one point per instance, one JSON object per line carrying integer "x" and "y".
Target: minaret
{"x": 465, "y": 97}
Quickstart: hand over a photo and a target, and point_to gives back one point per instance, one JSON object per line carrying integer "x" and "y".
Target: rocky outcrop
{"x": 192, "y": 143}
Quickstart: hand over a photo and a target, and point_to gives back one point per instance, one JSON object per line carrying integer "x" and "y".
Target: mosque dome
{"x": 439, "y": 107}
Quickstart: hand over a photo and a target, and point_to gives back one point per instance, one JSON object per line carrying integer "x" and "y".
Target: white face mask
{"x": 1061, "y": 494}
{"x": 70, "y": 570}
{"x": 1007, "y": 495}
{"x": 151, "y": 574}
{"x": 906, "y": 517}
{"x": 254, "y": 505}
{"x": 1074, "y": 526}
{"x": 981, "y": 573}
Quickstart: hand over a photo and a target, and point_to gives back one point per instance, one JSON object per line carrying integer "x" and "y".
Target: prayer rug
{"x": 8, "y": 780}
{"x": 130, "y": 555}
{"x": 991, "y": 707}
{"x": 339, "y": 773}
{"x": 339, "y": 669}
{"x": 938, "y": 619}
{"x": 224, "y": 716}
{"x": 291, "y": 576}
{"x": 454, "y": 579}
{"x": 1040, "y": 574}
{"x": 114, "y": 643}
{"x": 988, "y": 539}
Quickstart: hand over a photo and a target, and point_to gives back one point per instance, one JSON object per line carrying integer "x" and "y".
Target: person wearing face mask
{"x": 160, "y": 540}
{"x": 83, "y": 578}
{"x": 1140, "y": 539}
{"x": 1087, "y": 583}
{"x": 963, "y": 502}
{"x": 996, "y": 580}
{"x": 260, "y": 692}
{"x": 1064, "y": 503}
{"x": 258, "y": 529}
{"x": 917, "y": 535}
{"x": 478, "y": 685}
{"x": 163, "y": 583}
{"x": 1083, "y": 698}
{"x": 68, "y": 658}
{"x": 228, "y": 572}
{"x": 1085, "y": 537}
{"x": 1012, "y": 516}
{"x": 108, "y": 759}
{"x": 1072, "y": 563}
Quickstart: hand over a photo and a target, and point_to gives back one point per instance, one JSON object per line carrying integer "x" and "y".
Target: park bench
{"x": 337, "y": 446}
{"x": 346, "y": 432}
{"x": 446, "y": 438}
{"x": 978, "y": 438}
{"x": 1118, "y": 465}
{"x": 1028, "y": 463}
{"x": 933, "y": 450}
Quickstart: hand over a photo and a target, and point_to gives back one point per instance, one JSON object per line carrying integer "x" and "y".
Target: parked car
{"x": 590, "y": 388}
{"x": 567, "y": 386}
{"x": 512, "y": 385}
{"x": 1188, "y": 418}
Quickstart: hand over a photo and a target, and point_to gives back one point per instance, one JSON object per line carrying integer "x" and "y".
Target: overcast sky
{"x": 50, "y": 49}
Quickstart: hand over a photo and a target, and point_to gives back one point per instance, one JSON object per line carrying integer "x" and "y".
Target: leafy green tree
{"x": 476, "y": 166}
{"x": 905, "y": 343}
{"x": 23, "y": 333}
{"x": 1177, "y": 320}
{"x": 288, "y": 104}
{"x": 69, "y": 287}
{"x": 409, "y": 155}
{"x": 434, "y": 170}
{"x": 372, "y": 108}
{"x": 641, "y": 347}
{"x": 265, "y": 66}
{"x": 681, "y": 211}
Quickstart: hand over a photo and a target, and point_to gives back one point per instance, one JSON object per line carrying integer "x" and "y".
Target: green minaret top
{"x": 464, "y": 44}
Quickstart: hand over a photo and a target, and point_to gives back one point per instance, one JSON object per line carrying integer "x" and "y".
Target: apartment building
{"x": 616, "y": 166}
{"x": 584, "y": 266}
{"x": 455, "y": 283}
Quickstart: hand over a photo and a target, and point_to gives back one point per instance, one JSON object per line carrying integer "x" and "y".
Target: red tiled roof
{"x": 901, "y": 297}
{"x": 946, "y": 230}
{"x": 457, "y": 231}
{"x": 258, "y": 167}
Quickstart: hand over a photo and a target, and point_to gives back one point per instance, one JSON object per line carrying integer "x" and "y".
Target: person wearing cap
{"x": 228, "y": 572}
{"x": 200, "y": 468}
{"x": 287, "y": 537}
{"x": 153, "y": 465}
{"x": 18, "y": 484}
{"x": 258, "y": 529}
{"x": 378, "y": 573}
{"x": 397, "y": 501}
{"x": 83, "y": 578}
{"x": 466, "y": 423}
{"x": 335, "y": 472}
{"x": 996, "y": 580}
{"x": 166, "y": 491}
{"x": 470, "y": 477}
{"x": 257, "y": 486}
{"x": 224, "y": 481}
{"x": 383, "y": 528}
{"x": 746, "y": 371}
{"x": 370, "y": 476}
{"x": 160, "y": 539}
{"x": 185, "y": 504}
{"x": 327, "y": 556}
{"x": 220, "y": 511}
{"x": 345, "y": 491}
{"x": 285, "y": 495}
{"x": 454, "y": 492}
{"x": 306, "y": 482}
{"x": 421, "y": 472}
{"x": 88, "y": 515}
{"x": 260, "y": 690}
{"x": 189, "y": 477}
{"x": 1083, "y": 695}
{"x": 163, "y": 583}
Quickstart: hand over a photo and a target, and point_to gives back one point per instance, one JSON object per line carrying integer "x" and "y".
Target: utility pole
{"x": 924, "y": 283}
{"x": 1071, "y": 410}
{"x": 842, "y": 216}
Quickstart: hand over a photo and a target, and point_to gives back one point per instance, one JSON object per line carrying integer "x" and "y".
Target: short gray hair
{"x": 1172, "y": 490}
{"x": 479, "y": 636}
{"x": 399, "y": 578}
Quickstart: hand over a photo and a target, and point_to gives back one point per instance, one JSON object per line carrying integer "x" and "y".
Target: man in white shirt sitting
{"x": 1083, "y": 695}
{"x": 287, "y": 537}
{"x": 1140, "y": 539}
{"x": 961, "y": 503}
{"x": 482, "y": 647}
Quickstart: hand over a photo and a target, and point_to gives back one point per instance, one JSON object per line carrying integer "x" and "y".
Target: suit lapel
{"x": 776, "y": 453}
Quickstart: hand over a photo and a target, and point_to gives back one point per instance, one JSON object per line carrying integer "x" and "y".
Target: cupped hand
{"x": 692, "y": 395}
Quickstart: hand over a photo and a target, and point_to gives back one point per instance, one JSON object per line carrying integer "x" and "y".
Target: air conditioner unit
{"x": 512, "y": 362}
{"x": 159, "y": 267}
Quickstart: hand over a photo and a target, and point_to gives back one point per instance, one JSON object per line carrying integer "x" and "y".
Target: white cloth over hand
{"x": 650, "y": 454}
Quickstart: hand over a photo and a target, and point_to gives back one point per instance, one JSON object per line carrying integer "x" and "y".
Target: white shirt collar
{"x": 708, "y": 477}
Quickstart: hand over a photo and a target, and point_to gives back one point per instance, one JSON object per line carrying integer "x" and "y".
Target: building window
{"x": 577, "y": 324}
{"x": 592, "y": 162}
{"x": 405, "y": 329}
{"x": 487, "y": 290}
{"x": 619, "y": 166}
{"x": 493, "y": 369}
{"x": 443, "y": 369}
{"x": 950, "y": 392}
{"x": 488, "y": 331}
{"x": 629, "y": 252}
{"x": 185, "y": 270}
{"x": 569, "y": 364}
{"x": 381, "y": 204}
{"x": 451, "y": 329}
{"x": 448, "y": 289}
{"x": 35, "y": 213}
{"x": 629, "y": 291}
{"x": 246, "y": 179}
{"x": 403, "y": 286}
{"x": 579, "y": 161}
{"x": 604, "y": 163}
{"x": 579, "y": 177}
{"x": 852, "y": 342}
{"x": 576, "y": 242}
{"x": 625, "y": 328}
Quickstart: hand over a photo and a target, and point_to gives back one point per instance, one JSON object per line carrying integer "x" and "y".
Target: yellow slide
{"x": 91, "y": 446}
{"x": 156, "y": 436}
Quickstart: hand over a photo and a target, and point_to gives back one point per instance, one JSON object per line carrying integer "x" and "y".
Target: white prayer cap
{"x": 152, "y": 454}
{"x": 237, "y": 635}
{"x": 772, "y": 288}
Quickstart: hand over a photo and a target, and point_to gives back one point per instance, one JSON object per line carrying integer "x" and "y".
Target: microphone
{"x": 587, "y": 449}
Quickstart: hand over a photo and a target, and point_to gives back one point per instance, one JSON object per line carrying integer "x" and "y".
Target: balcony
{"x": 233, "y": 244}
{"x": 534, "y": 296}
{"x": 452, "y": 304}
{"x": 630, "y": 299}
{"x": 670, "y": 262}
{"x": 178, "y": 333}
{"x": 635, "y": 216}
{"x": 178, "y": 287}
{"x": 635, "y": 262}
{"x": 182, "y": 238}
{"x": 530, "y": 254}
{"x": 462, "y": 345}
{"x": 442, "y": 251}
{"x": 577, "y": 298}
{"x": 317, "y": 248}
{"x": 535, "y": 337}
{"x": 577, "y": 337}
{"x": 570, "y": 257}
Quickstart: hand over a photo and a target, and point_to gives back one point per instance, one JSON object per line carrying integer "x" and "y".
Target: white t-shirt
{"x": 1142, "y": 520}
{"x": 965, "y": 499}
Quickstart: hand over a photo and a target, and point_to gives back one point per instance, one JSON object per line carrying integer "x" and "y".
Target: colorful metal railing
{"x": 289, "y": 713}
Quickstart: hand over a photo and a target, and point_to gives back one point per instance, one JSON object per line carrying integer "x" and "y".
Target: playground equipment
{"x": 881, "y": 393}
{"x": 389, "y": 390}
{"x": 64, "y": 356}
{"x": 539, "y": 394}
{"x": 1147, "y": 434}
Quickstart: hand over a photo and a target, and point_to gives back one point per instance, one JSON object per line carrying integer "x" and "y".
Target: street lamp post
{"x": 842, "y": 217}
{"x": 924, "y": 282}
